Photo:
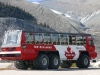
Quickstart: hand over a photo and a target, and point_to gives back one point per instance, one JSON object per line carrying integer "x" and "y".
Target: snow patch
{"x": 84, "y": 19}
{"x": 57, "y": 12}
{"x": 95, "y": 65}
{"x": 35, "y": 2}
{"x": 67, "y": 15}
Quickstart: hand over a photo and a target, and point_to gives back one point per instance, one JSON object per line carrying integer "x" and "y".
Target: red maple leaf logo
{"x": 69, "y": 53}
{"x": 68, "y": 49}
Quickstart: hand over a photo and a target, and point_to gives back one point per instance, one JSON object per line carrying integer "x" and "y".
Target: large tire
{"x": 41, "y": 62}
{"x": 54, "y": 61}
{"x": 21, "y": 65}
{"x": 66, "y": 64}
{"x": 83, "y": 61}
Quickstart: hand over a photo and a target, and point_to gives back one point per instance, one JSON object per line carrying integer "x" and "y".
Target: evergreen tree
{"x": 11, "y": 11}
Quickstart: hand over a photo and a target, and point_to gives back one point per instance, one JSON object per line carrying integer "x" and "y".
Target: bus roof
{"x": 59, "y": 33}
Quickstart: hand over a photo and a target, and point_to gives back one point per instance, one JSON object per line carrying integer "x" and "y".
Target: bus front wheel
{"x": 24, "y": 65}
{"x": 83, "y": 61}
{"x": 41, "y": 62}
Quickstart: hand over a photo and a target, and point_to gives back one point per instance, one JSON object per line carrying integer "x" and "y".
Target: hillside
{"x": 44, "y": 15}
{"x": 12, "y": 17}
{"x": 93, "y": 23}
{"x": 11, "y": 11}
{"x": 79, "y": 8}
{"x": 84, "y": 11}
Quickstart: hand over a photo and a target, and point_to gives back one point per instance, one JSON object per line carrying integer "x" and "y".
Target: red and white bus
{"x": 47, "y": 50}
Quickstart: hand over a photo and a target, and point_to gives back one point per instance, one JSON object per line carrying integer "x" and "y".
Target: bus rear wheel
{"x": 41, "y": 62}
{"x": 21, "y": 65}
{"x": 54, "y": 61}
{"x": 66, "y": 64}
{"x": 83, "y": 61}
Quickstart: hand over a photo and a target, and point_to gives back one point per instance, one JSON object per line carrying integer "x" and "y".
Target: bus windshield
{"x": 12, "y": 38}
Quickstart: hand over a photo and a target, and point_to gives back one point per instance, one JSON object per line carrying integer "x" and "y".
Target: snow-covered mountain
{"x": 88, "y": 17}
{"x": 85, "y": 12}
{"x": 81, "y": 11}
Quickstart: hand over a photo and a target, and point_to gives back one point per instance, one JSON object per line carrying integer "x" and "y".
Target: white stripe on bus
{"x": 13, "y": 52}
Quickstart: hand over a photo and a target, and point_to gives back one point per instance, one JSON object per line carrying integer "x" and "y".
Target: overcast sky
{"x": 35, "y": 0}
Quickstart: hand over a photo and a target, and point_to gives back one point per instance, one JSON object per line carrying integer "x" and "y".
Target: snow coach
{"x": 47, "y": 50}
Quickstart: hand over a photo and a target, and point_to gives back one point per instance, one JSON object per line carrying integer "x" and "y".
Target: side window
{"x": 29, "y": 38}
{"x": 47, "y": 38}
{"x": 84, "y": 40}
{"x": 72, "y": 40}
{"x": 55, "y": 39}
{"x": 63, "y": 39}
{"x": 38, "y": 38}
{"x": 91, "y": 43}
{"x": 79, "y": 40}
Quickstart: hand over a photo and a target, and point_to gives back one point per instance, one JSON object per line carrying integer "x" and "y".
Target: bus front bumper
{"x": 18, "y": 55}
{"x": 13, "y": 55}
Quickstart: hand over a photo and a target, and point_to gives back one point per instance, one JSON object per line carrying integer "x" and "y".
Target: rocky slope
{"x": 84, "y": 11}
{"x": 79, "y": 8}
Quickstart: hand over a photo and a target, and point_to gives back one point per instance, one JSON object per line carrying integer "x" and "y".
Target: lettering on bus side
{"x": 79, "y": 48}
{"x": 45, "y": 47}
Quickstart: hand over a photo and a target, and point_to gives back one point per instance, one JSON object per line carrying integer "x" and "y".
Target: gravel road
{"x": 9, "y": 69}
{"x": 71, "y": 71}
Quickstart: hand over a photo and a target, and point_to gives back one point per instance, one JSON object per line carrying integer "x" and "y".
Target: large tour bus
{"x": 47, "y": 50}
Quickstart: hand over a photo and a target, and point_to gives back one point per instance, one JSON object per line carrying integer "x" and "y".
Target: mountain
{"x": 11, "y": 11}
{"x": 44, "y": 15}
{"x": 92, "y": 22}
{"x": 15, "y": 18}
{"x": 73, "y": 7}
{"x": 85, "y": 11}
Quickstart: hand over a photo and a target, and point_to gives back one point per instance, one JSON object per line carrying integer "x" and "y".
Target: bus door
{"x": 91, "y": 48}
{"x": 29, "y": 42}
{"x": 90, "y": 43}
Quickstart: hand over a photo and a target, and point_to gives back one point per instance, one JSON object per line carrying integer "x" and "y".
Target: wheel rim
{"x": 85, "y": 61}
{"x": 55, "y": 61}
{"x": 44, "y": 61}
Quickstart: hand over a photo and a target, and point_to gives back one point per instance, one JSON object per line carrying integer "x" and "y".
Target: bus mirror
{"x": 30, "y": 34}
{"x": 24, "y": 46}
{"x": 91, "y": 42}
